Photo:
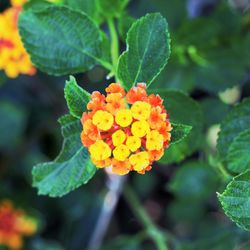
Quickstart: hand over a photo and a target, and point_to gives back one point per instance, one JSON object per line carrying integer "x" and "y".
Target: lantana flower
{"x": 128, "y": 131}
{"x": 14, "y": 224}
{"x": 14, "y": 60}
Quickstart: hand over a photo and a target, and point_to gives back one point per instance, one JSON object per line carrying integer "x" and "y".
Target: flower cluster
{"x": 14, "y": 225}
{"x": 14, "y": 60}
{"x": 127, "y": 131}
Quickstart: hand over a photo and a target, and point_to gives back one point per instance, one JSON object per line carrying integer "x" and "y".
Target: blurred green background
{"x": 210, "y": 54}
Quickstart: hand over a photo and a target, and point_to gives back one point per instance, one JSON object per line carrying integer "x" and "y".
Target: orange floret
{"x": 137, "y": 93}
{"x": 86, "y": 141}
{"x": 103, "y": 163}
{"x": 125, "y": 131}
{"x": 14, "y": 224}
{"x": 120, "y": 167}
{"x": 155, "y": 155}
{"x": 155, "y": 100}
{"x": 115, "y": 88}
{"x": 91, "y": 130}
{"x": 156, "y": 118}
{"x": 115, "y": 102}
{"x": 97, "y": 101}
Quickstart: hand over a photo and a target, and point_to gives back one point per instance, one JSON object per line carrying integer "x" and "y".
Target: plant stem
{"x": 153, "y": 232}
{"x": 115, "y": 184}
{"x": 114, "y": 43}
{"x": 224, "y": 172}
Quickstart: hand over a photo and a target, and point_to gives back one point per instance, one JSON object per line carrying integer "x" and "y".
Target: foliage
{"x": 189, "y": 59}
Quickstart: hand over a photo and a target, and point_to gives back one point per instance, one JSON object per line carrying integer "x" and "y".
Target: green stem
{"x": 224, "y": 172}
{"x": 153, "y": 232}
{"x": 114, "y": 43}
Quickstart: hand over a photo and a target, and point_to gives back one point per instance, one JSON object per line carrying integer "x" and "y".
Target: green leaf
{"x": 63, "y": 41}
{"x": 235, "y": 200}
{"x": 86, "y": 6}
{"x": 76, "y": 97}
{"x": 179, "y": 132}
{"x": 238, "y": 156}
{"x": 234, "y": 123}
{"x": 182, "y": 110}
{"x": 124, "y": 23}
{"x": 36, "y": 5}
{"x": 214, "y": 110}
{"x": 70, "y": 169}
{"x": 111, "y": 8}
{"x": 221, "y": 239}
{"x": 193, "y": 180}
{"x": 221, "y": 72}
{"x": 148, "y": 50}
{"x": 14, "y": 118}
{"x": 176, "y": 14}
{"x": 175, "y": 76}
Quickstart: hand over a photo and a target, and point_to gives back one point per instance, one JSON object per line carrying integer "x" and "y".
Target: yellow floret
{"x": 28, "y": 226}
{"x": 118, "y": 137}
{"x": 18, "y": 3}
{"x": 121, "y": 152}
{"x": 103, "y": 120}
{"x": 139, "y": 161}
{"x": 141, "y": 110}
{"x": 133, "y": 143}
{"x": 124, "y": 117}
{"x": 140, "y": 128}
{"x": 154, "y": 140}
{"x": 100, "y": 150}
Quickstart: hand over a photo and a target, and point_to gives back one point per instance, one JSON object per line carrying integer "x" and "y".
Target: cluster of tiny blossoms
{"x": 13, "y": 226}
{"x": 14, "y": 60}
{"x": 127, "y": 131}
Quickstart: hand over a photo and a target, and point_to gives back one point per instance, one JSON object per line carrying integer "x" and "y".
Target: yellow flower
{"x": 140, "y": 128}
{"x": 124, "y": 117}
{"x": 154, "y": 140}
{"x": 14, "y": 60}
{"x": 18, "y": 3}
{"x": 133, "y": 143}
{"x": 103, "y": 120}
{"x": 139, "y": 161}
{"x": 141, "y": 110}
{"x": 118, "y": 137}
{"x": 100, "y": 150}
{"x": 121, "y": 152}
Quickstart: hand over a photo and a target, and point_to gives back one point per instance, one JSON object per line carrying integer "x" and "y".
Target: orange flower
{"x": 155, "y": 100}
{"x": 86, "y": 116}
{"x": 120, "y": 167}
{"x": 14, "y": 60}
{"x": 102, "y": 163}
{"x": 137, "y": 93}
{"x": 156, "y": 118}
{"x": 156, "y": 155}
{"x": 127, "y": 132}
{"x": 115, "y": 88}
{"x": 115, "y": 102}
{"x": 91, "y": 130}
{"x": 165, "y": 131}
{"x": 97, "y": 101}
{"x": 14, "y": 224}
{"x": 86, "y": 140}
